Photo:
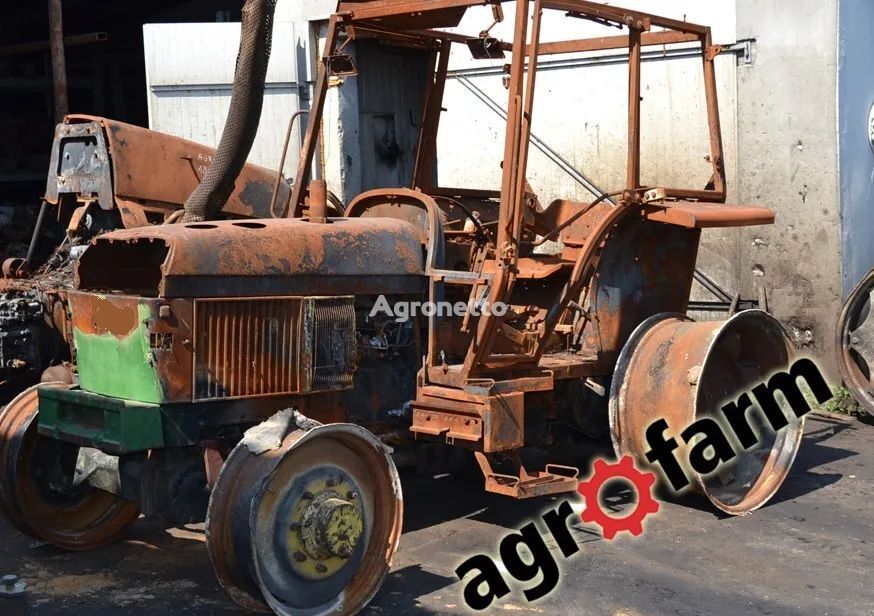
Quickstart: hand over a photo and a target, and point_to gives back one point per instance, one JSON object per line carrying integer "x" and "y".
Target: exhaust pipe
{"x": 241, "y": 126}
{"x": 679, "y": 370}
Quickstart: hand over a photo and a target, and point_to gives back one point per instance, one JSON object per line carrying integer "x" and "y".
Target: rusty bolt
{"x": 320, "y": 568}
{"x": 300, "y": 557}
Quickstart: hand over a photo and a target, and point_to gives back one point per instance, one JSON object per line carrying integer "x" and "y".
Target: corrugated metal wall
{"x": 390, "y": 103}
{"x": 190, "y": 70}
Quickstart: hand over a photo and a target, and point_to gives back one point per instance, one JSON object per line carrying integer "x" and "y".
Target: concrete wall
{"x": 856, "y": 96}
{"x": 788, "y": 153}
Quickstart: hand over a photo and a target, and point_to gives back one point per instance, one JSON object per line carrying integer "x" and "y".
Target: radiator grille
{"x": 272, "y": 346}
{"x": 333, "y": 343}
{"x": 247, "y": 347}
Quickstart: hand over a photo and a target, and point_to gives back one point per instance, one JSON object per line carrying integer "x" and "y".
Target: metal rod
{"x": 633, "y": 179}
{"x": 34, "y": 239}
{"x": 740, "y": 49}
{"x": 59, "y": 60}
{"x": 69, "y": 41}
{"x": 288, "y": 132}
{"x": 318, "y": 105}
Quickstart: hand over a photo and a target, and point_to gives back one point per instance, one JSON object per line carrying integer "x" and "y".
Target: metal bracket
{"x": 743, "y": 49}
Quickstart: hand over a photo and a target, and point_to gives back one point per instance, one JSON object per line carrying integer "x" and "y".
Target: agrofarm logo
{"x": 525, "y": 555}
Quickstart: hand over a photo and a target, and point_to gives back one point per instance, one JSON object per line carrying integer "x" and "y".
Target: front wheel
{"x": 37, "y": 492}
{"x": 305, "y": 521}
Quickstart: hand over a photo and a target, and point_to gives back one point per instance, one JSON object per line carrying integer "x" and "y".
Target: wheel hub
{"x": 325, "y": 525}
{"x": 331, "y": 526}
{"x": 319, "y": 518}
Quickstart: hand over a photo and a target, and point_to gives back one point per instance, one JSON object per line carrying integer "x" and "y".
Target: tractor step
{"x": 554, "y": 479}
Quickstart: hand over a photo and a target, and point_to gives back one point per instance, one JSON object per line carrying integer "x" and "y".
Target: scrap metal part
{"x": 20, "y": 319}
{"x": 308, "y": 526}
{"x": 679, "y": 370}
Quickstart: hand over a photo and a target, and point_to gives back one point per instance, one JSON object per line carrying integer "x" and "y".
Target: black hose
{"x": 34, "y": 239}
{"x": 241, "y": 126}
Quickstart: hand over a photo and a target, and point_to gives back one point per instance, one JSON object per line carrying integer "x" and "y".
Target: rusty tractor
{"x": 103, "y": 175}
{"x": 236, "y": 372}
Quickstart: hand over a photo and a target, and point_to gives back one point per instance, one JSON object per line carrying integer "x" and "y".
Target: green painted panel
{"x": 109, "y": 424}
{"x": 119, "y": 367}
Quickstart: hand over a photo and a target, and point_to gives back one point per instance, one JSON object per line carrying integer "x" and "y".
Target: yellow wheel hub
{"x": 325, "y": 527}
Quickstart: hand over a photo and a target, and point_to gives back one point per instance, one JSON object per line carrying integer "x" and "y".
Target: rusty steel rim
{"x": 308, "y": 528}
{"x": 679, "y": 365}
{"x": 855, "y": 343}
{"x": 85, "y": 520}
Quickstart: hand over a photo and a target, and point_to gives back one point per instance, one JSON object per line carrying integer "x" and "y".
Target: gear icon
{"x": 642, "y": 482}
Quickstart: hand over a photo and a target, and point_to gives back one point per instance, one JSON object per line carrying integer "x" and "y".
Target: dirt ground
{"x": 809, "y": 551}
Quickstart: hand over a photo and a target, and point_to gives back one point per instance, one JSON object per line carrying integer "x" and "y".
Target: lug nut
{"x": 294, "y": 526}
{"x": 320, "y": 568}
{"x": 307, "y": 495}
{"x": 351, "y": 495}
{"x": 344, "y": 552}
{"x": 300, "y": 557}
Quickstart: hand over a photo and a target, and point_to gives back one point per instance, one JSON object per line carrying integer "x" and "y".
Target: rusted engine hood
{"x": 131, "y": 167}
{"x": 257, "y": 258}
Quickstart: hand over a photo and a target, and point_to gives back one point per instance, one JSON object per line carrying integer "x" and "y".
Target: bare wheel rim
{"x": 80, "y": 519}
{"x": 855, "y": 343}
{"x": 315, "y": 532}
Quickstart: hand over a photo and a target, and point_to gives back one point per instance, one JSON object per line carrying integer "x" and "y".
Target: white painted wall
{"x": 190, "y": 69}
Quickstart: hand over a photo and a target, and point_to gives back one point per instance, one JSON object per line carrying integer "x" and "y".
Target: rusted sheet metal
{"x": 489, "y": 423}
{"x": 693, "y": 215}
{"x": 126, "y": 165}
{"x": 646, "y": 269}
{"x": 555, "y": 479}
{"x": 283, "y": 256}
{"x": 248, "y": 348}
{"x": 679, "y": 370}
{"x": 151, "y": 337}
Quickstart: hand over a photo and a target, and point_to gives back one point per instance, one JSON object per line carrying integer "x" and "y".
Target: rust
{"x": 688, "y": 370}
